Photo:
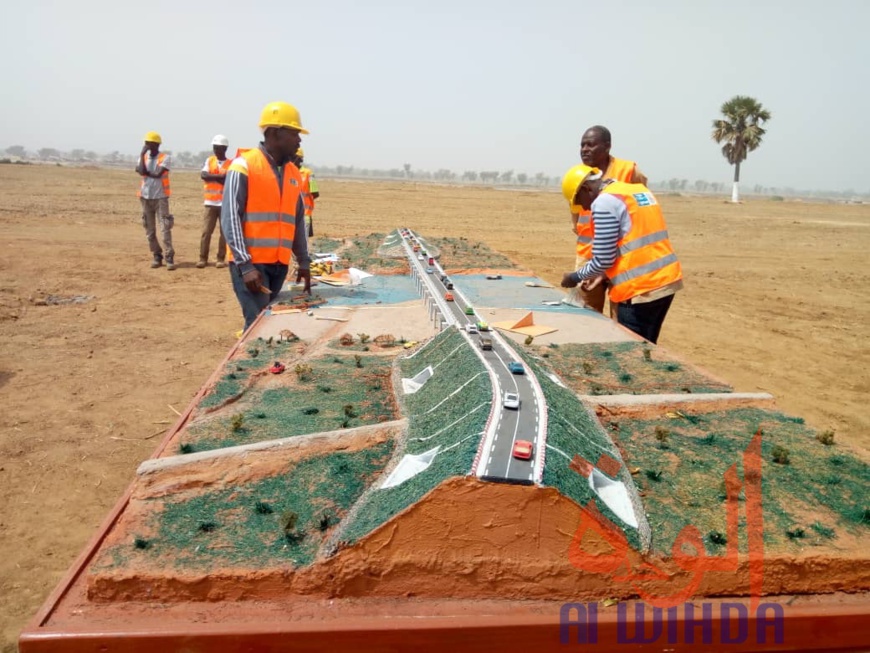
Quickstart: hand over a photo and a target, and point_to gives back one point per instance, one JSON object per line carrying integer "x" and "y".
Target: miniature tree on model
{"x": 740, "y": 129}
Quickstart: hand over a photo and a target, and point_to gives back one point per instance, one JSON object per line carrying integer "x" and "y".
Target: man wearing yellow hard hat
{"x": 595, "y": 152}
{"x": 310, "y": 191}
{"x": 263, "y": 213}
{"x": 631, "y": 249}
{"x": 154, "y": 192}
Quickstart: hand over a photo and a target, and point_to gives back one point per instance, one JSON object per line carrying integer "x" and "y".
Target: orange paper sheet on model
{"x": 525, "y": 325}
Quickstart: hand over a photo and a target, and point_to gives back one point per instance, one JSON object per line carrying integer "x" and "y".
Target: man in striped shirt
{"x": 257, "y": 283}
{"x": 631, "y": 249}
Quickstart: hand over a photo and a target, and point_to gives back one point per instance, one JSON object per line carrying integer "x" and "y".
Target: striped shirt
{"x": 233, "y": 215}
{"x": 612, "y": 221}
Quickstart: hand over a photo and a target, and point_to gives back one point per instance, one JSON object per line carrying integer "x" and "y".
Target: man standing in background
{"x": 595, "y": 153}
{"x": 214, "y": 173}
{"x": 310, "y": 191}
{"x": 153, "y": 167}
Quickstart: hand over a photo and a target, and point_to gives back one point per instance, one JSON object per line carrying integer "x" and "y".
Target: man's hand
{"x": 593, "y": 283}
{"x": 306, "y": 276}
{"x": 253, "y": 280}
{"x": 568, "y": 280}
{"x": 145, "y": 148}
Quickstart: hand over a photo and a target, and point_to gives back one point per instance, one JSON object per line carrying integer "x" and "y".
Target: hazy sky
{"x": 459, "y": 84}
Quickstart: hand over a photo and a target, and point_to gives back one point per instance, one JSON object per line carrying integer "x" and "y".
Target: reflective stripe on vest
{"x": 161, "y": 157}
{"x": 212, "y": 190}
{"x": 620, "y": 170}
{"x": 269, "y": 224}
{"x": 645, "y": 260}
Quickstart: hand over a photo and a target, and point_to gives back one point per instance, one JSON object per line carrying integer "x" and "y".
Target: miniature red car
{"x": 277, "y": 368}
{"x": 523, "y": 449}
{"x": 448, "y": 296}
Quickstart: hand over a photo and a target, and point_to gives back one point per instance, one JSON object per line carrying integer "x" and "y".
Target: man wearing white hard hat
{"x": 214, "y": 173}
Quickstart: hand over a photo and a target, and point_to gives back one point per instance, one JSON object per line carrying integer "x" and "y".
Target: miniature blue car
{"x": 516, "y": 368}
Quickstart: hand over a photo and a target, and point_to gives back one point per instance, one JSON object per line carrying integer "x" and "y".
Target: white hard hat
{"x": 220, "y": 139}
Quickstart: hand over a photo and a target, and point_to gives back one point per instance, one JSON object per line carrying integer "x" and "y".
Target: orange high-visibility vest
{"x": 620, "y": 170}
{"x": 269, "y": 226}
{"x": 306, "y": 191}
{"x": 161, "y": 157}
{"x": 645, "y": 259}
{"x": 212, "y": 190}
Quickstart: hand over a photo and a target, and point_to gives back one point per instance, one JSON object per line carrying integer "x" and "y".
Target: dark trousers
{"x": 211, "y": 218}
{"x": 273, "y": 274}
{"x": 645, "y": 319}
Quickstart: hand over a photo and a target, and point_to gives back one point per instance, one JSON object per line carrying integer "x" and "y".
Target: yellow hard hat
{"x": 300, "y": 153}
{"x": 153, "y": 137}
{"x": 281, "y": 114}
{"x": 574, "y": 178}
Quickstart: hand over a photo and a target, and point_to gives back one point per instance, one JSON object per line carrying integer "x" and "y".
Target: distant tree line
{"x": 194, "y": 160}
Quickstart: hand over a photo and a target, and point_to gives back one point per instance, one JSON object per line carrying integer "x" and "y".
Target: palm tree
{"x": 741, "y": 131}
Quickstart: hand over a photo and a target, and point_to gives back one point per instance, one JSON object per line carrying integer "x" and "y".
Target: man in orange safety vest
{"x": 631, "y": 249}
{"x": 595, "y": 152}
{"x": 214, "y": 173}
{"x": 263, "y": 213}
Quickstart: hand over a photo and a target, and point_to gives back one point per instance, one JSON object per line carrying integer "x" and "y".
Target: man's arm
{"x": 637, "y": 177}
{"x": 232, "y": 215}
{"x": 207, "y": 176}
{"x": 140, "y": 166}
{"x": 606, "y": 215}
{"x": 300, "y": 246}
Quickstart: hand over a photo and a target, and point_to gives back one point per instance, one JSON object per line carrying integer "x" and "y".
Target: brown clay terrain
{"x": 88, "y": 387}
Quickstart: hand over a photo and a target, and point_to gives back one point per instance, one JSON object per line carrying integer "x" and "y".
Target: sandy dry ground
{"x": 776, "y": 300}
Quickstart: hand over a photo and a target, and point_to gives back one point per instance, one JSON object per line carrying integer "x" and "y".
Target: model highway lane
{"x": 496, "y": 462}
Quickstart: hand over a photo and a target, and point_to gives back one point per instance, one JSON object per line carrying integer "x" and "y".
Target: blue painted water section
{"x": 387, "y": 289}
{"x": 512, "y": 292}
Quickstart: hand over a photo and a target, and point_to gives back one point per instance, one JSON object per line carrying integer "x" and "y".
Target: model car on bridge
{"x": 511, "y": 400}
{"x": 429, "y": 270}
{"x": 469, "y": 310}
{"x": 482, "y": 326}
{"x": 448, "y": 296}
{"x": 523, "y": 449}
{"x": 516, "y": 368}
{"x": 471, "y": 328}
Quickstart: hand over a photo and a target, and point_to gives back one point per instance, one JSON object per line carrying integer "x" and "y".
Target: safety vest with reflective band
{"x": 161, "y": 157}
{"x": 645, "y": 260}
{"x": 620, "y": 170}
{"x": 269, "y": 226}
{"x": 212, "y": 190}
{"x": 307, "y": 199}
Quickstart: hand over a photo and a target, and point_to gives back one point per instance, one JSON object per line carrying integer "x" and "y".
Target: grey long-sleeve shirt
{"x": 233, "y": 216}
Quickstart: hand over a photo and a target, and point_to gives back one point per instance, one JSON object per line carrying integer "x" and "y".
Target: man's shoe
{"x": 201, "y": 264}
{"x": 170, "y": 266}
{"x": 220, "y": 264}
{"x": 156, "y": 263}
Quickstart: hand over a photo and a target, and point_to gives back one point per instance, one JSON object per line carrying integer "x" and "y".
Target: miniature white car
{"x": 471, "y": 328}
{"x": 511, "y": 400}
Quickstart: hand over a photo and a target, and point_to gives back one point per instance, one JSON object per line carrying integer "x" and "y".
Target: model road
{"x": 498, "y": 462}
